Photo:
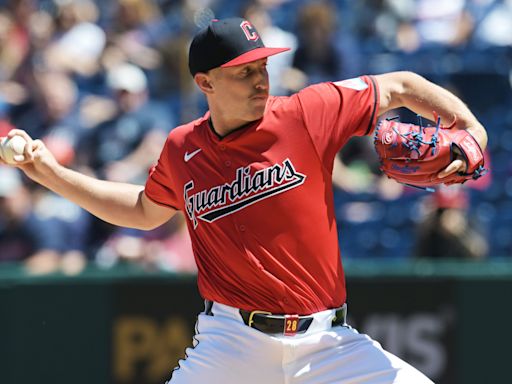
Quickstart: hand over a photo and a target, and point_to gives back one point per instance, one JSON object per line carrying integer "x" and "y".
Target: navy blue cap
{"x": 226, "y": 43}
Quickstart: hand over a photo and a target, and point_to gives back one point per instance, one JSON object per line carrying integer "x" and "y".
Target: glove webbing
{"x": 416, "y": 138}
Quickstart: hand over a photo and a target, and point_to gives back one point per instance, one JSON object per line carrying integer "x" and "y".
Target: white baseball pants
{"x": 226, "y": 351}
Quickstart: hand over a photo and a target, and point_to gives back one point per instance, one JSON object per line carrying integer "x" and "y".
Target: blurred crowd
{"x": 103, "y": 82}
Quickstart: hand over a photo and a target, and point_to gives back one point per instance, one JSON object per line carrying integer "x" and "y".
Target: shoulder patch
{"x": 356, "y": 83}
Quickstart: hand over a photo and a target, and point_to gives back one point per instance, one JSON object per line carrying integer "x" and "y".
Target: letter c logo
{"x": 249, "y": 30}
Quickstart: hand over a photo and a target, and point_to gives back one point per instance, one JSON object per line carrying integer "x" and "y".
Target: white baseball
{"x": 11, "y": 150}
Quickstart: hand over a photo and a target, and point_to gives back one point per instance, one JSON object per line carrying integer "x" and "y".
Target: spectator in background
{"x": 124, "y": 147}
{"x": 47, "y": 236}
{"x": 52, "y": 112}
{"x": 273, "y": 36}
{"x": 78, "y": 41}
{"x": 171, "y": 38}
{"x": 15, "y": 37}
{"x": 17, "y": 242}
{"x": 436, "y": 22}
{"x": 134, "y": 30}
{"x": 61, "y": 233}
{"x": 170, "y": 247}
{"x": 356, "y": 170}
{"x": 367, "y": 15}
{"x": 318, "y": 57}
{"x": 493, "y": 23}
{"x": 410, "y": 25}
{"x": 446, "y": 231}
{"x": 140, "y": 32}
{"x": 166, "y": 248}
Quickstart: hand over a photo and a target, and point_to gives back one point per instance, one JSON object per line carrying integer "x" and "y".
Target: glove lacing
{"x": 415, "y": 139}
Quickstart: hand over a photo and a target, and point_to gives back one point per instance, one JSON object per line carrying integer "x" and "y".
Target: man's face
{"x": 241, "y": 92}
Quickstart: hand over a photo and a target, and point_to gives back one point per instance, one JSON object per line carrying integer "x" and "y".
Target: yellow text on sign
{"x": 146, "y": 349}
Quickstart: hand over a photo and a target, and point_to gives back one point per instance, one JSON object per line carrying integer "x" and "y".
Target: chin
{"x": 258, "y": 110}
{"x": 257, "y": 114}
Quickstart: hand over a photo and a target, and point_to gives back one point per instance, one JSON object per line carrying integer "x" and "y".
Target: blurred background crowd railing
{"x": 103, "y": 82}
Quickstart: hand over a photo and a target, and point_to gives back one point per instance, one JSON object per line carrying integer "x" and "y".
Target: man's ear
{"x": 204, "y": 82}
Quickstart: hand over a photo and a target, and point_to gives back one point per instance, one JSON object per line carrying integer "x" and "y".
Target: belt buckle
{"x": 291, "y": 325}
{"x": 251, "y": 315}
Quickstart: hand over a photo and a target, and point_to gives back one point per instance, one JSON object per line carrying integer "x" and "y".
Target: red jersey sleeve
{"x": 159, "y": 185}
{"x": 335, "y": 111}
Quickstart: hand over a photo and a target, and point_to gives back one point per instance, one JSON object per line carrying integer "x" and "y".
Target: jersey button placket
{"x": 222, "y": 148}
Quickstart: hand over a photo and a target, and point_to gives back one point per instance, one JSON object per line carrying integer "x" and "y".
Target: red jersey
{"x": 259, "y": 201}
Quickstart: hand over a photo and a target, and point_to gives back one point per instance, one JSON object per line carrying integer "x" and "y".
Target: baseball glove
{"x": 414, "y": 154}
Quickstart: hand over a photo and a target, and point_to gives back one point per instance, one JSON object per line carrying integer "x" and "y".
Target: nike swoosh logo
{"x": 188, "y": 156}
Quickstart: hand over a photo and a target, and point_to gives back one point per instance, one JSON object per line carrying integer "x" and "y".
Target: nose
{"x": 262, "y": 80}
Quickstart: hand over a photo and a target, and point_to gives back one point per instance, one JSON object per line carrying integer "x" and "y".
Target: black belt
{"x": 267, "y": 322}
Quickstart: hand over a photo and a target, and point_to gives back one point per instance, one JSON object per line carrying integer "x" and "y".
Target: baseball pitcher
{"x": 253, "y": 178}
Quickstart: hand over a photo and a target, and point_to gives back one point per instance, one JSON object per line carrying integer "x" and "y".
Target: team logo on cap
{"x": 249, "y": 31}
